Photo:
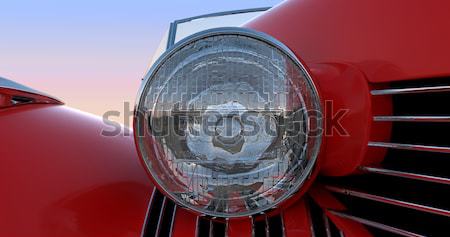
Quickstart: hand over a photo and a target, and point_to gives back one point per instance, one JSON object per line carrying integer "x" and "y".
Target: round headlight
{"x": 228, "y": 123}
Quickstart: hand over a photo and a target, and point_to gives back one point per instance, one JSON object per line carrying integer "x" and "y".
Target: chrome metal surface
{"x": 161, "y": 214}
{"x": 227, "y": 224}
{"x": 211, "y": 228}
{"x": 432, "y": 119}
{"x": 407, "y": 175}
{"x": 326, "y": 224}
{"x": 172, "y": 33}
{"x": 147, "y": 215}
{"x": 173, "y": 219}
{"x": 266, "y": 220}
{"x": 412, "y": 147}
{"x": 174, "y": 25}
{"x": 390, "y": 201}
{"x": 252, "y": 219}
{"x": 9, "y": 84}
{"x": 224, "y": 13}
{"x": 308, "y": 210}
{"x": 283, "y": 227}
{"x": 197, "y": 223}
{"x": 376, "y": 225}
{"x": 430, "y": 89}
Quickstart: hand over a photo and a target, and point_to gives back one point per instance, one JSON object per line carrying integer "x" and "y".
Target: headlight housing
{"x": 228, "y": 123}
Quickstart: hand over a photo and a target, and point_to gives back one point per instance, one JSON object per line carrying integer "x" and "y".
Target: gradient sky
{"x": 91, "y": 54}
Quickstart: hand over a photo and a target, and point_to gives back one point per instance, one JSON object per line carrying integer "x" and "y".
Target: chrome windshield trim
{"x": 224, "y": 13}
{"x": 174, "y": 24}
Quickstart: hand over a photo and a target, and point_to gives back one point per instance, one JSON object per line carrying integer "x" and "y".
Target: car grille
{"x": 408, "y": 194}
{"x": 161, "y": 214}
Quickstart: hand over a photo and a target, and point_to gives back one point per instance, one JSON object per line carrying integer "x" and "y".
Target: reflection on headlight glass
{"x": 227, "y": 123}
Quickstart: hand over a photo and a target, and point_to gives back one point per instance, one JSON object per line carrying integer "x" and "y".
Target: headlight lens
{"x": 228, "y": 123}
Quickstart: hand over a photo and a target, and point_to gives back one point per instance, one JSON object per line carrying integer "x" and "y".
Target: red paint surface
{"x": 6, "y": 95}
{"x": 387, "y": 40}
{"x": 60, "y": 177}
{"x": 240, "y": 228}
{"x": 185, "y": 223}
{"x": 327, "y": 201}
{"x": 350, "y": 47}
{"x": 297, "y": 221}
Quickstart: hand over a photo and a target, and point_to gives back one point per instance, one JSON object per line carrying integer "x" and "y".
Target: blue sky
{"x": 91, "y": 54}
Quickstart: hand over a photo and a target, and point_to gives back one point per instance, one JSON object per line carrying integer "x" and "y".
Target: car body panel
{"x": 386, "y": 40}
{"x": 61, "y": 177}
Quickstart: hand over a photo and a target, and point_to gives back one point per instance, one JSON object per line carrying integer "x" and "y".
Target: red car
{"x": 313, "y": 118}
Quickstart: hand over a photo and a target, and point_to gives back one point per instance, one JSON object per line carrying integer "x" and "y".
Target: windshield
{"x": 183, "y": 28}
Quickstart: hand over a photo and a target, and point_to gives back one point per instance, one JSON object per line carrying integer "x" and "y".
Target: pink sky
{"x": 91, "y": 54}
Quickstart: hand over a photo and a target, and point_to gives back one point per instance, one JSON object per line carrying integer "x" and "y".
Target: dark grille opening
{"x": 419, "y": 192}
{"x": 203, "y": 227}
{"x": 275, "y": 225}
{"x": 218, "y": 228}
{"x": 167, "y": 219}
{"x": 408, "y": 192}
{"x": 378, "y": 232}
{"x": 443, "y": 81}
{"x": 334, "y": 231}
{"x": 317, "y": 219}
{"x": 153, "y": 215}
{"x": 321, "y": 224}
{"x": 161, "y": 214}
{"x": 421, "y": 104}
{"x": 434, "y": 134}
{"x": 259, "y": 227}
{"x": 411, "y": 220}
{"x": 428, "y": 163}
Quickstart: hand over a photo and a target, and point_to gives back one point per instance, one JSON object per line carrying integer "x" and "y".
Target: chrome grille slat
{"x": 390, "y": 201}
{"x": 412, "y": 90}
{"x": 376, "y": 225}
{"x": 147, "y": 215}
{"x": 161, "y": 213}
{"x": 155, "y": 213}
{"x": 197, "y": 223}
{"x": 412, "y": 147}
{"x": 413, "y": 169}
{"x": 327, "y": 225}
{"x": 309, "y": 211}
{"x": 408, "y": 175}
{"x": 431, "y": 119}
{"x": 211, "y": 228}
{"x": 173, "y": 219}
{"x": 266, "y": 220}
